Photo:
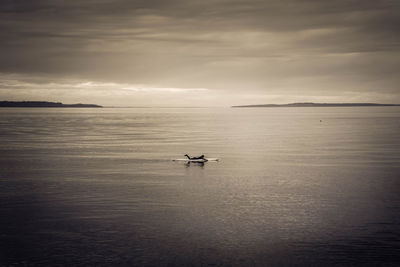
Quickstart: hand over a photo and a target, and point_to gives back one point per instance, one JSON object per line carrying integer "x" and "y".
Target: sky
{"x": 198, "y": 53}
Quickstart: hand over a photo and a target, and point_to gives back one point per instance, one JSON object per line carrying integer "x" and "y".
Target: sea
{"x": 297, "y": 186}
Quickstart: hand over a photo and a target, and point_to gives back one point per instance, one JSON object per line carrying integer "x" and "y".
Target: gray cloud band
{"x": 234, "y": 45}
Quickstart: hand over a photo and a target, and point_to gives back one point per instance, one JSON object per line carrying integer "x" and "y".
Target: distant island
{"x": 310, "y": 104}
{"x": 43, "y": 104}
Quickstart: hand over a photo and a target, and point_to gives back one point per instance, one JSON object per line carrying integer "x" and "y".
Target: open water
{"x": 293, "y": 187}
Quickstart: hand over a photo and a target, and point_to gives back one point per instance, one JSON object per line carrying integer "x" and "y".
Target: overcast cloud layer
{"x": 200, "y": 53}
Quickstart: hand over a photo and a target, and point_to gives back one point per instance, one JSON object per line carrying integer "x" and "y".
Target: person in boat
{"x": 201, "y": 157}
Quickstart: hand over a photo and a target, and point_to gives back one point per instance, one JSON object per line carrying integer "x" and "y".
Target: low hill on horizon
{"x": 310, "y": 104}
{"x": 44, "y": 104}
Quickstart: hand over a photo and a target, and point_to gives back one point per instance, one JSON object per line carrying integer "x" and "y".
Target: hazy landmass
{"x": 44, "y": 104}
{"x": 309, "y": 104}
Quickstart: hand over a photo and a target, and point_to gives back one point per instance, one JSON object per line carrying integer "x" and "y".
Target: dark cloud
{"x": 237, "y": 45}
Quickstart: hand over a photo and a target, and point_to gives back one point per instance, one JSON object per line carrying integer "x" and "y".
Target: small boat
{"x": 197, "y": 160}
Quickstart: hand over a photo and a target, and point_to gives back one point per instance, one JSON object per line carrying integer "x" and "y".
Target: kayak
{"x": 197, "y": 160}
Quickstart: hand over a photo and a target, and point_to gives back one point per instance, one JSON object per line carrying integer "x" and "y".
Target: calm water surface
{"x": 98, "y": 187}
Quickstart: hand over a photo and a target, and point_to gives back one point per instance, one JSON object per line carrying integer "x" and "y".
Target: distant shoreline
{"x": 309, "y": 104}
{"x": 43, "y": 104}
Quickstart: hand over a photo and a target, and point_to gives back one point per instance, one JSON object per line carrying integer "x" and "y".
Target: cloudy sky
{"x": 200, "y": 52}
